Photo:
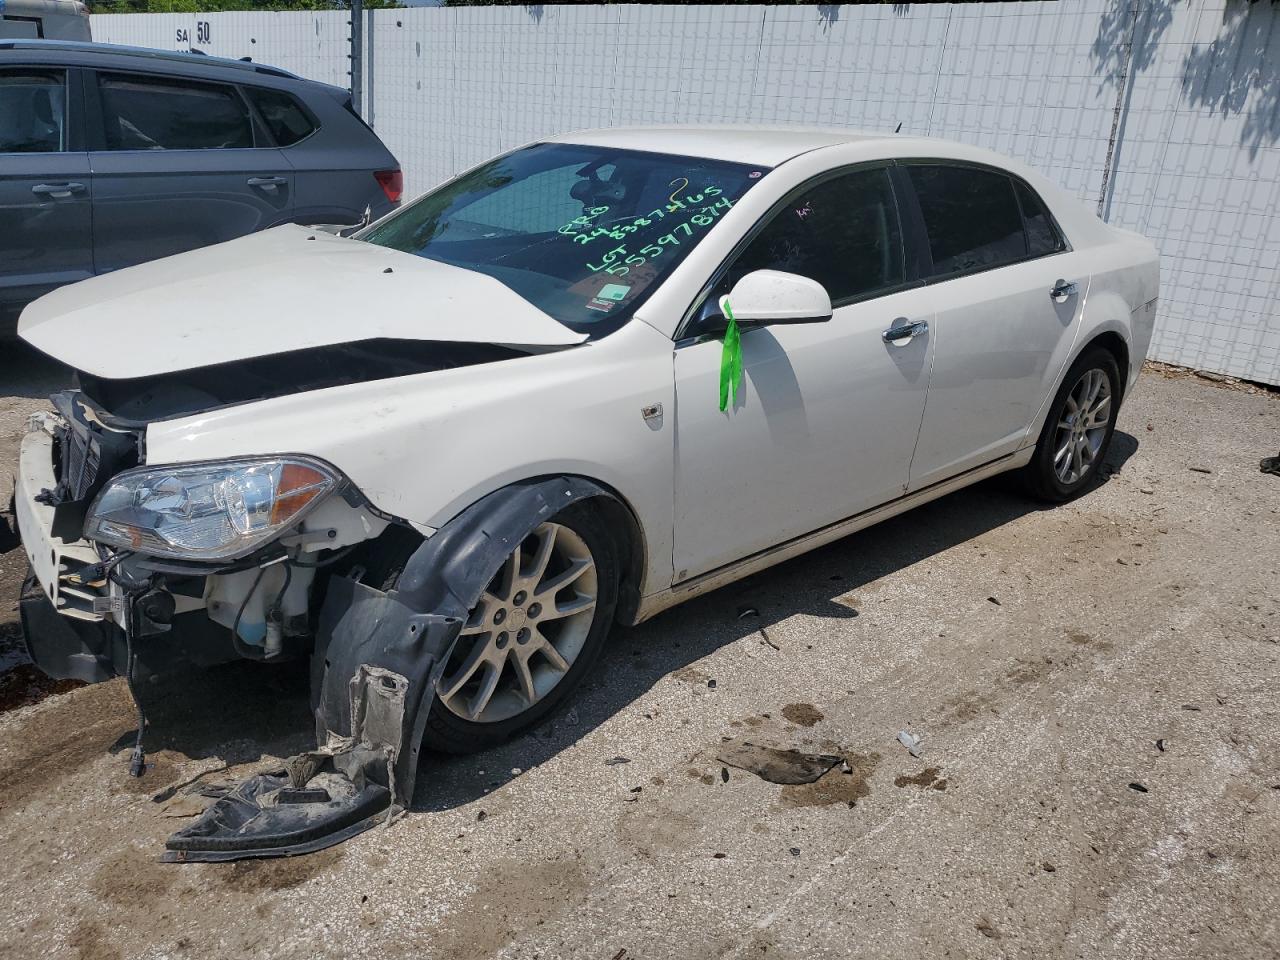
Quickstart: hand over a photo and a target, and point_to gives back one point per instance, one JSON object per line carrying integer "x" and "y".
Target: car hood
{"x": 273, "y": 292}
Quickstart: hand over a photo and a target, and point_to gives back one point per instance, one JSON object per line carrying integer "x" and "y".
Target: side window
{"x": 844, "y": 233}
{"x": 971, "y": 216}
{"x": 1042, "y": 234}
{"x": 282, "y": 114}
{"x": 33, "y": 111}
{"x": 153, "y": 113}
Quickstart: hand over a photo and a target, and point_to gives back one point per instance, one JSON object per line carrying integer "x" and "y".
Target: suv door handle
{"x": 904, "y": 329}
{"x": 1063, "y": 289}
{"x": 269, "y": 182}
{"x": 57, "y": 191}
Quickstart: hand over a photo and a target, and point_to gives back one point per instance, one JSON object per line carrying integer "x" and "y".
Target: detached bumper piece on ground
{"x": 357, "y": 778}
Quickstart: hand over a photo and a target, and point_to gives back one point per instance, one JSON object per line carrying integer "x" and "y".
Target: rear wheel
{"x": 1077, "y": 432}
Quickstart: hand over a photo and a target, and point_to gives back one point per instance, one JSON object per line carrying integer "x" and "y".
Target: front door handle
{"x": 903, "y": 329}
{"x": 1063, "y": 289}
{"x": 269, "y": 182}
{"x": 57, "y": 191}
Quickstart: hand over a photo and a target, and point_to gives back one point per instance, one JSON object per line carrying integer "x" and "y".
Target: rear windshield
{"x": 583, "y": 233}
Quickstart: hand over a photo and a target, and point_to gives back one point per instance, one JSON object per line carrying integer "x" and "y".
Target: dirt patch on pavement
{"x": 511, "y": 898}
{"x": 255, "y": 876}
{"x": 802, "y": 714}
{"x": 132, "y": 878}
{"x": 90, "y": 943}
{"x": 25, "y": 685}
{"x": 44, "y": 749}
{"x": 930, "y": 777}
{"x": 836, "y": 786}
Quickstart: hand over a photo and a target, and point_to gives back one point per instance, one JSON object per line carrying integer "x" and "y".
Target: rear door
{"x": 341, "y": 167}
{"x": 1007, "y": 294}
{"x": 45, "y": 186}
{"x": 179, "y": 164}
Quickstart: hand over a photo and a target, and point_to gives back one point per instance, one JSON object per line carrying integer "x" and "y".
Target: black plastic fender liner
{"x": 411, "y": 629}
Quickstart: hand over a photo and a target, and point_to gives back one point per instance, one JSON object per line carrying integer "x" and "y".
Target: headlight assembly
{"x": 208, "y": 511}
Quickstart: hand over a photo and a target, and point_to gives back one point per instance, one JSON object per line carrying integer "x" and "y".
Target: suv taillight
{"x": 391, "y": 182}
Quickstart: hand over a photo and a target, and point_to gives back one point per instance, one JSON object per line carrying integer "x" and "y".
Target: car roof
{"x": 119, "y": 54}
{"x": 762, "y": 145}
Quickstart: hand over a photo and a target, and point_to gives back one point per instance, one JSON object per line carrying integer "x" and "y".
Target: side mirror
{"x": 771, "y": 296}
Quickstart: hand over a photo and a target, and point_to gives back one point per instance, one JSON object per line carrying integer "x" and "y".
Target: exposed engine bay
{"x": 142, "y": 399}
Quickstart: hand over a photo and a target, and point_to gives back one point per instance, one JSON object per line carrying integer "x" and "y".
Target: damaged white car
{"x": 577, "y": 384}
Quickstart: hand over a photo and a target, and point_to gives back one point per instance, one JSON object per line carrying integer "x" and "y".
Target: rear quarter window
{"x": 285, "y": 118}
{"x": 1043, "y": 237}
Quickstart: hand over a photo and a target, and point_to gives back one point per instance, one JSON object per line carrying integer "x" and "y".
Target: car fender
{"x": 406, "y": 633}
{"x": 424, "y": 448}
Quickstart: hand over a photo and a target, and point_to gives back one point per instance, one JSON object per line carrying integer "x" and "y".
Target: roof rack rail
{"x": 174, "y": 56}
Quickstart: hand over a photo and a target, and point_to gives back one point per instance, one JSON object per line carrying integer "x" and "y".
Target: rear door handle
{"x": 57, "y": 191}
{"x": 268, "y": 182}
{"x": 1063, "y": 289}
{"x": 904, "y": 329}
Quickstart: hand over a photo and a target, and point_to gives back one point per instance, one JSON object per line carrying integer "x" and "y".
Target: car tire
{"x": 1075, "y": 440}
{"x": 526, "y": 626}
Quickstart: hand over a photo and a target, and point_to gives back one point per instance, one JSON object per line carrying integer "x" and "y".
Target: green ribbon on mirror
{"x": 730, "y": 360}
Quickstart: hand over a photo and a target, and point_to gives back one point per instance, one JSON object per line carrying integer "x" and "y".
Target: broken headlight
{"x": 208, "y": 511}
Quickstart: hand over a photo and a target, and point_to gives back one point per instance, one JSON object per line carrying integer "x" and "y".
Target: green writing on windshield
{"x": 679, "y": 220}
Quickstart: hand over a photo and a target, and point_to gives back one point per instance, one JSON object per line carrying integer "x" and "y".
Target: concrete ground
{"x": 1098, "y": 686}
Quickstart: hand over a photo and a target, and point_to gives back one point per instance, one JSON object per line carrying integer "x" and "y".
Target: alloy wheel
{"x": 526, "y": 631}
{"x": 1082, "y": 426}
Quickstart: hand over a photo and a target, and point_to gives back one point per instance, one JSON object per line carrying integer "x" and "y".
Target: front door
{"x": 45, "y": 188}
{"x": 828, "y": 413}
{"x": 1004, "y": 324}
{"x": 176, "y": 167}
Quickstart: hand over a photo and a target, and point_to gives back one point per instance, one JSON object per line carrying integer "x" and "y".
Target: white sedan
{"x": 579, "y": 383}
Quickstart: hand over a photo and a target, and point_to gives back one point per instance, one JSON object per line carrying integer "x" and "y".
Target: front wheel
{"x": 1077, "y": 432}
{"x": 536, "y": 631}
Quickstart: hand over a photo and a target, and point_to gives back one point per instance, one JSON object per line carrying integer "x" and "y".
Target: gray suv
{"x": 113, "y": 155}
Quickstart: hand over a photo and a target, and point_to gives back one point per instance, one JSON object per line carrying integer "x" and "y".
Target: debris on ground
{"x": 1160, "y": 745}
{"x": 711, "y": 684}
{"x": 613, "y": 762}
{"x": 911, "y": 742}
{"x": 993, "y": 600}
{"x": 776, "y": 766}
{"x": 1138, "y": 787}
{"x": 744, "y": 612}
{"x": 1271, "y": 465}
{"x": 1200, "y": 470}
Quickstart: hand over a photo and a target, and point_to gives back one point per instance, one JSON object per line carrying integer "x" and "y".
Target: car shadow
{"x": 242, "y": 712}
{"x": 636, "y": 659}
{"x": 27, "y": 373}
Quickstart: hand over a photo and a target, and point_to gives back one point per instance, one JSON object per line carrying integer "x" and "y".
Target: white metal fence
{"x": 1183, "y": 97}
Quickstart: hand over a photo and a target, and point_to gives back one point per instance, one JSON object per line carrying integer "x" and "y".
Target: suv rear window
{"x": 285, "y": 119}
{"x": 971, "y": 216}
{"x": 153, "y": 113}
{"x": 33, "y": 106}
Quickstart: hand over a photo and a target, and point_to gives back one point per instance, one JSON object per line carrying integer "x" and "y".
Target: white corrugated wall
{"x": 1196, "y": 155}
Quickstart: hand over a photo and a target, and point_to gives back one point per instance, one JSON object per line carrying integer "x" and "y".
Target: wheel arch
{"x": 533, "y": 497}
{"x": 1115, "y": 344}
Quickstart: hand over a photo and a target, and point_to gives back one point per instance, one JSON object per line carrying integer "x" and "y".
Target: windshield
{"x": 583, "y": 233}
